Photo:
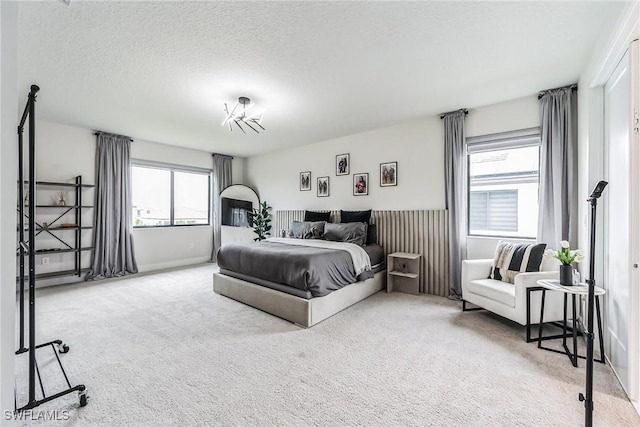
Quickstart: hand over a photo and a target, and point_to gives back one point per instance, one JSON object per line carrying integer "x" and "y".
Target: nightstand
{"x": 403, "y": 272}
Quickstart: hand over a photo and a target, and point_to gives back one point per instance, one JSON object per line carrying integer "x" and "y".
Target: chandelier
{"x": 238, "y": 115}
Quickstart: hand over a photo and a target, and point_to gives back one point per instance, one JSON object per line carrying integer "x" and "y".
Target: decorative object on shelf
{"x": 45, "y": 224}
{"x": 261, "y": 219}
{"x": 567, "y": 257}
{"x": 305, "y": 181}
{"x": 62, "y": 198}
{"x": 360, "y": 184}
{"x": 388, "y": 174}
{"x": 238, "y": 115}
{"x": 323, "y": 186}
{"x": 342, "y": 164}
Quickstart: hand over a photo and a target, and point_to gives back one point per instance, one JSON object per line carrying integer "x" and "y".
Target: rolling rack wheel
{"x": 63, "y": 348}
{"x": 83, "y": 398}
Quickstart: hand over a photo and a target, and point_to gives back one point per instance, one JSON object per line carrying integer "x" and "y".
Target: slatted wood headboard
{"x": 419, "y": 231}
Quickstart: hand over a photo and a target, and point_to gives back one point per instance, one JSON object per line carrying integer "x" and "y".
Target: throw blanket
{"x": 359, "y": 256}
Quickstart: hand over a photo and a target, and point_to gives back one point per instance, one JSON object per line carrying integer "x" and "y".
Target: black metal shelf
{"x": 63, "y": 207}
{"x": 38, "y": 229}
{"x": 67, "y": 218}
{"x": 61, "y": 184}
{"x": 64, "y": 228}
{"x": 59, "y": 251}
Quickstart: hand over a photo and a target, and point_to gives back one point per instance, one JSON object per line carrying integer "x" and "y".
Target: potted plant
{"x": 261, "y": 220}
{"x": 567, "y": 257}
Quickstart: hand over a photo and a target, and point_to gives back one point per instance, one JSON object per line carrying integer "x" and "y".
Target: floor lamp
{"x": 591, "y": 282}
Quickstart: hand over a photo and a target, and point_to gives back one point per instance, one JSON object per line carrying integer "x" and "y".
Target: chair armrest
{"x": 527, "y": 280}
{"x": 474, "y": 269}
{"x": 523, "y": 281}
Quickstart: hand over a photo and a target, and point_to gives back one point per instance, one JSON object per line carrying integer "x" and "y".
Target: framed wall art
{"x": 323, "y": 186}
{"x": 342, "y": 164}
{"x": 360, "y": 184}
{"x": 305, "y": 181}
{"x": 388, "y": 174}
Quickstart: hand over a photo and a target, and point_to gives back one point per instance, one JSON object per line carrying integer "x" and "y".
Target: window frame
{"x": 522, "y": 138}
{"x": 172, "y": 168}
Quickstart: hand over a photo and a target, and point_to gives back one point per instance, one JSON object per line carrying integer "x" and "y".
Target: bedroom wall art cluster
{"x": 361, "y": 182}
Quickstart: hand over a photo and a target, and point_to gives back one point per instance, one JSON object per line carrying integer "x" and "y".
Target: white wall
{"x": 9, "y": 117}
{"x": 416, "y": 146}
{"x": 522, "y": 113}
{"x": 66, "y": 151}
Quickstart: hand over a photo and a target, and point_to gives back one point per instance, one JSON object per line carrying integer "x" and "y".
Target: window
{"x": 494, "y": 210}
{"x": 503, "y": 184}
{"x": 169, "y": 195}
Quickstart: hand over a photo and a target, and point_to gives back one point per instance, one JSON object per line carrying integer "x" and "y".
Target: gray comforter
{"x": 317, "y": 270}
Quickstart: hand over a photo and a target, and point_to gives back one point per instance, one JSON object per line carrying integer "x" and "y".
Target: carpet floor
{"x": 164, "y": 350}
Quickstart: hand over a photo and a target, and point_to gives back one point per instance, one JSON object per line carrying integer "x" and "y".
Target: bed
{"x": 304, "y": 281}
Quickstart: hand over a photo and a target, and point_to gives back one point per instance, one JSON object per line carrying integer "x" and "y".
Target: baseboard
{"x": 143, "y": 268}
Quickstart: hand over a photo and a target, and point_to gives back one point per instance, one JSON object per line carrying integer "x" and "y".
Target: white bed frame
{"x": 301, "y": 311}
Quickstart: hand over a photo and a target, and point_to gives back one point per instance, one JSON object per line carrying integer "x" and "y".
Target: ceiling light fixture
{"x": 239, "y": 115}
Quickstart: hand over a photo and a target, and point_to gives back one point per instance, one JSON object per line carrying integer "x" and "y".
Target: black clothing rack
{"x": 28, "y": 247}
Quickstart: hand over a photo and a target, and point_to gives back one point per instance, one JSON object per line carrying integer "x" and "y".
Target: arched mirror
{"x": 236, "y": 202}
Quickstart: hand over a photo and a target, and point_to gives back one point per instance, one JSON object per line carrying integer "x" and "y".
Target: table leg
{"x": 541, "y": 321}
{"x": 599, "y": 319}
{"x": 564, "y": 323}
{"x": 574, "y": 358}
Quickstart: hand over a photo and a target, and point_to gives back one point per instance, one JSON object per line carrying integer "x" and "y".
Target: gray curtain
{"x": 455, "y": 182}
{"x": 221, "y": 180}
{"x": 112, "y": 240}
{"x": 558, "y": 195}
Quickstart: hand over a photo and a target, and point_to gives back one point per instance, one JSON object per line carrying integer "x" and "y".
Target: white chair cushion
{"x": 502, "y": 292}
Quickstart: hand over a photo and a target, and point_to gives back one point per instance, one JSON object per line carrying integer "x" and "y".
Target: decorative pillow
{"x": 513, "y": 258}
{"x": 372, "y": 234}
{"x": 317, "y": 216}
{"x": 355, "y": 216}
{"x": 354, "y": 232}
{"x": 306, "y": 230}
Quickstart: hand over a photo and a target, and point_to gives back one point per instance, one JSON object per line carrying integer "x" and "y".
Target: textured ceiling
{"x": 161, "y": 71}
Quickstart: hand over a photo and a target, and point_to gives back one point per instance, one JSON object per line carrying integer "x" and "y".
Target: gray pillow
{"x": 306, "y": 230}
{"x": 352, "y": 232}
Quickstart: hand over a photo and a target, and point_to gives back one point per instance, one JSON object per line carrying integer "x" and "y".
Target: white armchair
{"x": 510, "y": 300}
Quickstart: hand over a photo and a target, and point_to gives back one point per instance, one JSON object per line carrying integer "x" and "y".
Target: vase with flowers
{"x": 567, "y": 257}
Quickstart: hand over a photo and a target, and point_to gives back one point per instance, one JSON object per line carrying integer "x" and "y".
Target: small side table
{"x": 403, "y": 272}
{"x": 582, "y": 289}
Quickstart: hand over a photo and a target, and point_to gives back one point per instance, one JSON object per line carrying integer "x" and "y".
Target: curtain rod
{"x": 544, "y": 92}
{"x": 97, "y": 132}
{"x": 223, "y": 155}
{"x": 464, "y": 110}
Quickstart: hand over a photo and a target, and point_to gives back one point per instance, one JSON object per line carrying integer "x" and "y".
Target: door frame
{"x": 626, "y": 31}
